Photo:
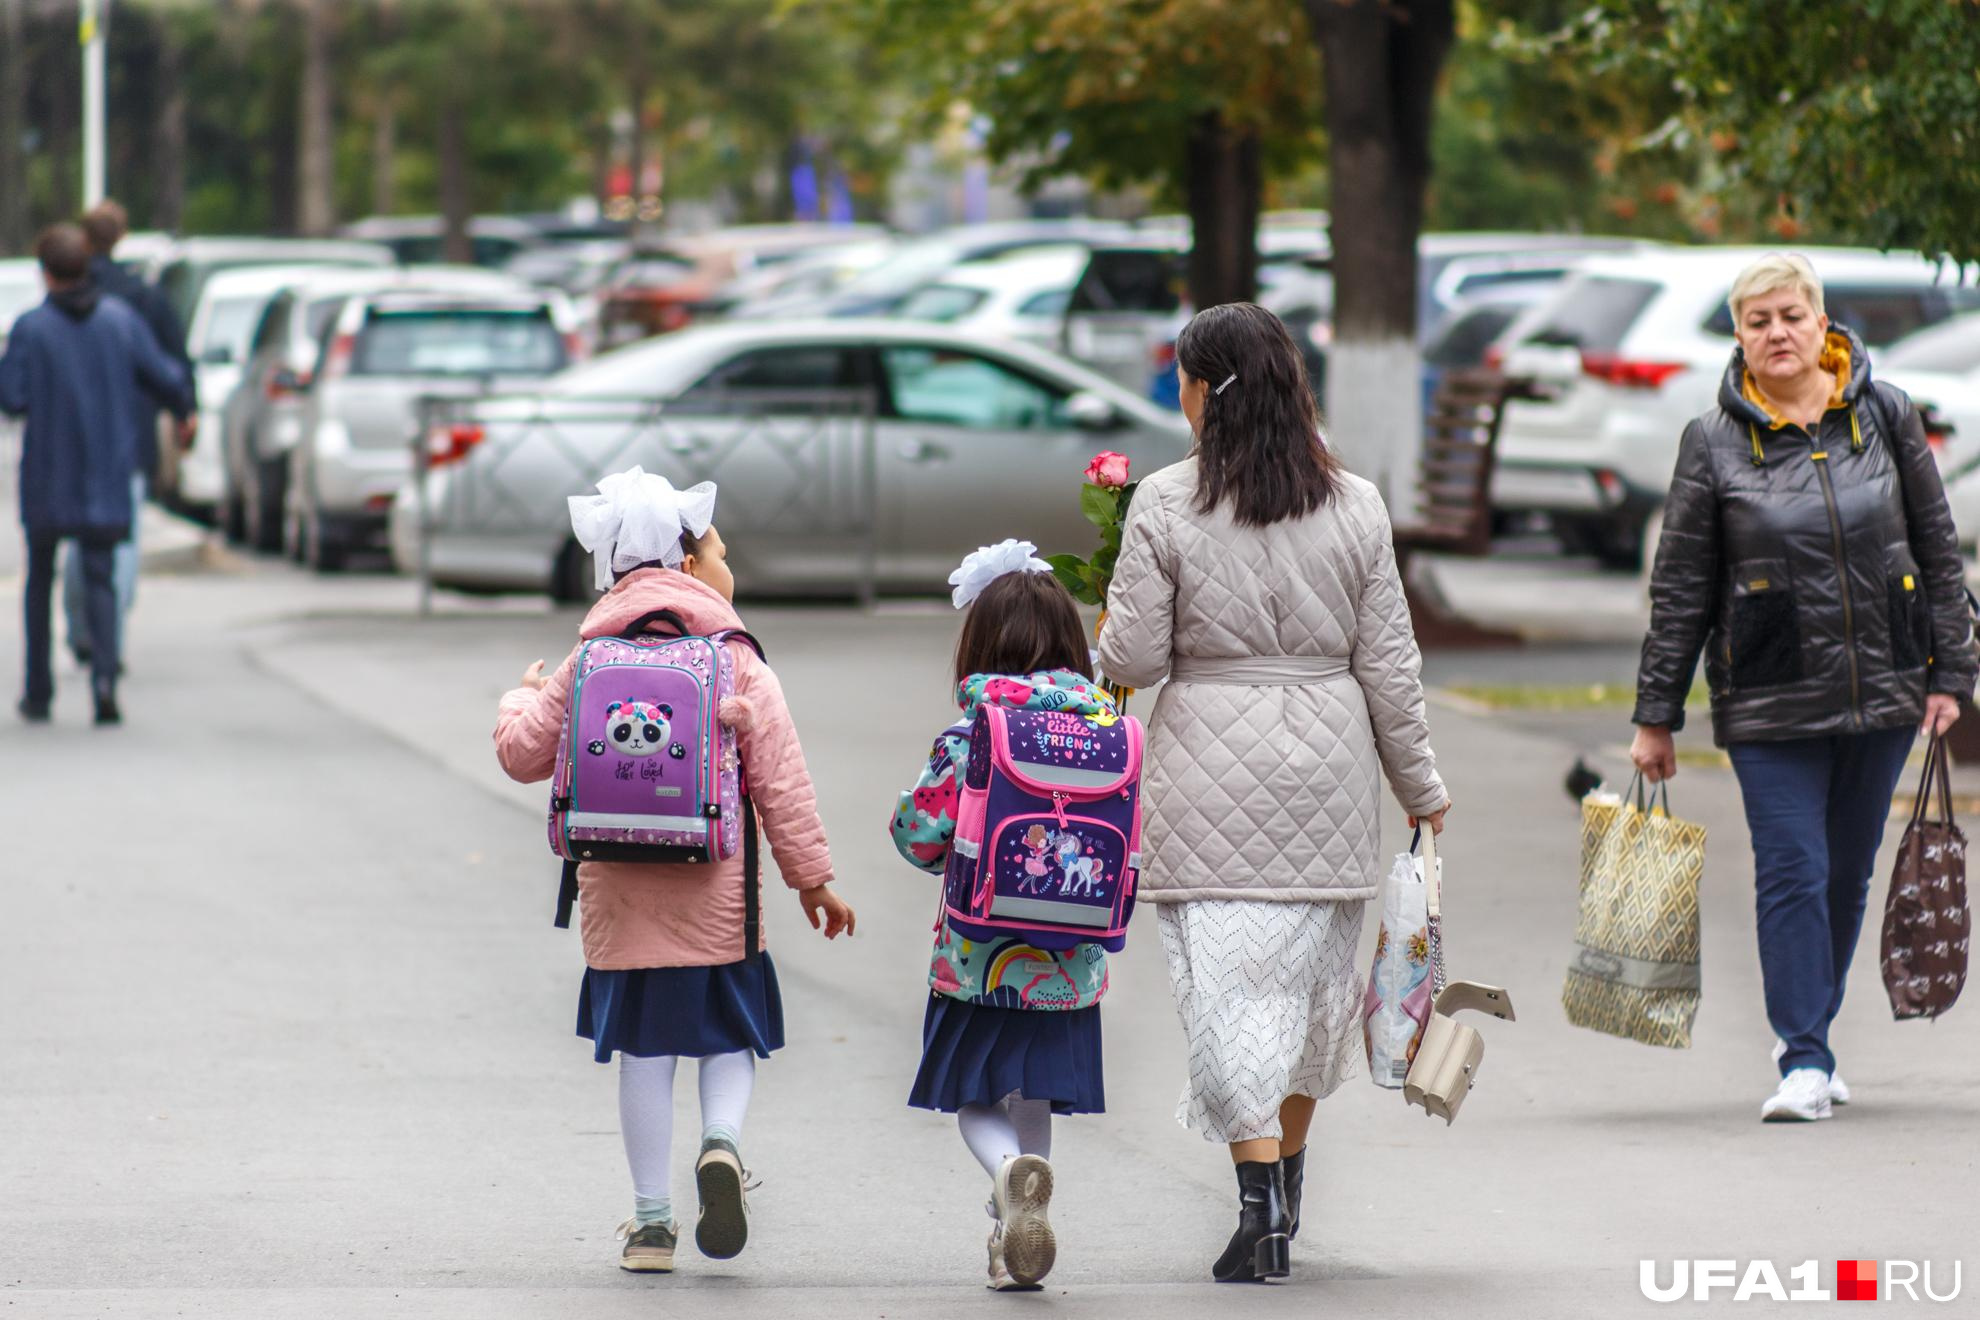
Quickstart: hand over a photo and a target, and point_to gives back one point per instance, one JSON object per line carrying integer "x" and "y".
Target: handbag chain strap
{"x": 1433, "y": 897}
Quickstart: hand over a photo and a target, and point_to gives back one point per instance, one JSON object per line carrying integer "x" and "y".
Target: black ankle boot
{"x": 1258, "y": 1249}
{"x": 1292, "y": 1169}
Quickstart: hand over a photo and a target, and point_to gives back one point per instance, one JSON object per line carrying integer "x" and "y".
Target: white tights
{"x": 1013, "y": 1126}
{"x": 646, "y": 1110}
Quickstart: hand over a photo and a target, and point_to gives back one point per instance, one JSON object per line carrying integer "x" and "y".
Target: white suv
{"x": 1632, "y": 348}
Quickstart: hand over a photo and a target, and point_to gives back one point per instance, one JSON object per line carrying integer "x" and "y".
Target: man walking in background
{"x": 105, "y": 226}
{"x": 74, "y": 368}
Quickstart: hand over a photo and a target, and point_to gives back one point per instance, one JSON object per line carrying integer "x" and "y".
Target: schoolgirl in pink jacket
{"x": 664, "y": 973}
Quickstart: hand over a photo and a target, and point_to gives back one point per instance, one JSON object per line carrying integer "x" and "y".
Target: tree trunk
{"x": 15, "y": 224}
{"x": 385, "y": 154}
{"x": 1225, "y": 185}
{"x": 456, "y": 206}
{"x": 316, "y": 213}
{"x": 168, "y": 163}
{"x": 1380, "y": 61}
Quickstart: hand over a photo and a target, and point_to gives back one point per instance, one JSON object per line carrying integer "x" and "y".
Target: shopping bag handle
{"x": 1427, "y": 842}
{"x": 1937, "y": 776}
{"x": 1649, "y": 797}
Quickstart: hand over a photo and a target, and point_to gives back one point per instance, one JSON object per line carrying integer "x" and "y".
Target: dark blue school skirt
{"x": 689, "y": 1011}
{"x": 974, "y": 1054}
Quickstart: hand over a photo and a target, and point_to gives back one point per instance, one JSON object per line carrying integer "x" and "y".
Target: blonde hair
{"x": 1772, "y": 273}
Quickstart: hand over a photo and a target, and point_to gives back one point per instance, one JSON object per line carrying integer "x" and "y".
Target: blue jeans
{"x": 1816, "y": 808}
{"x": 123, "y": 572}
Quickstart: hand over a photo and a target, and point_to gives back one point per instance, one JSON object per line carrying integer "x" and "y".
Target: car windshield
{"x": 942, "y": 302}
{"x": 1594, "y": 313}
{"x": 1953, "y": 347}
{"x": 1463, "y": 339}
{"x": 458, "y": 343}
{"x": 229, "y": 322}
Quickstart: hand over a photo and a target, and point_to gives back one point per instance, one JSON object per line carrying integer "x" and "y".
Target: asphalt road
{"x": 285, "y": 1029}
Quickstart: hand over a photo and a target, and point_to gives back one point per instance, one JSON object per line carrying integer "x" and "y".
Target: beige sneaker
{"x": 1000, "y": 1274}
{"x": 649, "y": 1248}
{"x": 723, "y": 1228}
{"x": 1022, "y": 1193}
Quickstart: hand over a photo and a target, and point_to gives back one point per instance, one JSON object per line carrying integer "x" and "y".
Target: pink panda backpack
{"x": 1047, "y": 846}
{"x": 646, "y": 771}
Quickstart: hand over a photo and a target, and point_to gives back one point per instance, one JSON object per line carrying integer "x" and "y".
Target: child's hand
{"x": 533, "y": 676}
{"x": 838, "y": 913}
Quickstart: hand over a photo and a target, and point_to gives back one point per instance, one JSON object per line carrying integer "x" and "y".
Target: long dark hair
{"x": 1258, "y": 444}
{"x": 1022, "y": 623}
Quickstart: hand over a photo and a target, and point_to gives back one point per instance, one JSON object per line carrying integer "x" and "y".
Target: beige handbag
{"x": 1446, "y": 1064}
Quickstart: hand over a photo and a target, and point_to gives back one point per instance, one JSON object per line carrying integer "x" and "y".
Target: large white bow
{"x": 637, "y": 517}
{"x": 986, "y": 564}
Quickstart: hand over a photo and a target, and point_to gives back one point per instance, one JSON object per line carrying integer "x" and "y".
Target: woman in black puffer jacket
{"x": 1809, "y": 554}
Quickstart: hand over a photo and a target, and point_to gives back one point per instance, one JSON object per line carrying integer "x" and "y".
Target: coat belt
{"x": 1257, "y": 670}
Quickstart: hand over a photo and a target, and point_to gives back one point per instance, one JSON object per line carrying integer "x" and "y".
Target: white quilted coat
{"x": 1268, "y": 790}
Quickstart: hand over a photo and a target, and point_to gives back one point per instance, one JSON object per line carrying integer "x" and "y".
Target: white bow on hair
{"x": 986, "y": 564}
{"x": 637, "y": 517}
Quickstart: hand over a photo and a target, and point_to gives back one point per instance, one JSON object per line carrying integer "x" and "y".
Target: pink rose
{"x": 1107, "y": 469}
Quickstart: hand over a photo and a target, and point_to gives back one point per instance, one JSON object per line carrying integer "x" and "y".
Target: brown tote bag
{"x": 1927, "y": 925}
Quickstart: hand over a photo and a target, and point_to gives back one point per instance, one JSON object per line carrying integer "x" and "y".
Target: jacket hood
{"x": 77, "y": 302}
{"x": 1843, "y": 357}
{"x": 645, "y": 590}
{"x": 1048, "y": 689}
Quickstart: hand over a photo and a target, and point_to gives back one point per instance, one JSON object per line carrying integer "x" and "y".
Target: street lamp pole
{"x": 93, "y": 95}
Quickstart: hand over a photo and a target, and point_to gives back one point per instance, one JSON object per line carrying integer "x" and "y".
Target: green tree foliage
{"x": 1849, "y": 123}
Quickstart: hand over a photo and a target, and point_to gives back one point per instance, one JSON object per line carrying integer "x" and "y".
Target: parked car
{"x": 262, "y": 418}
{"x": 1022, "y": 296}
{"x": 1472, "y": 326}
{"x": 879, "y": 290}
{"x": 1631, "y": 348}
{"x": 231, "y": 304}
{"x": 182, "y": 270}
{"x": 21, "y": 290}
{"x": 788, "y": 286}
{"x": 661, "y": 289}
{"x": 384, "y": 353}
{"x": 1939, "y": 367}
{"x": 494, "y": 240}
{"x": 1454, "y": 267}
{"x": 973, "y": 442}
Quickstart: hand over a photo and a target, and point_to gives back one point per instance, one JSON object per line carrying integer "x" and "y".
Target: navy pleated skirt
{"x": 689, "y": 1011}
{"x": 973, "y": 1054}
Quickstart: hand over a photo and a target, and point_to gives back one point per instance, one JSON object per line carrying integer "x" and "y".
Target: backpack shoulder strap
{"x": 741, "y": 635}
{"x": 567, "y": 892}
{"x": 752, "y": 900}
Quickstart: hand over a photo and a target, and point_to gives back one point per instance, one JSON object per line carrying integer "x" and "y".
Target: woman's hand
{"x": 838, "y": 913}
{"x": 1941, "y": 711}
{"x": 1434, "y": 819}
{"x": 1654, "y": 753}
{"x": 533, "y": 677}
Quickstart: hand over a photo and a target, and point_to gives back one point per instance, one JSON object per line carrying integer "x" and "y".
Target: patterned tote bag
{"x": 1927, "y": 924}
{"x": 1635, "y": 968}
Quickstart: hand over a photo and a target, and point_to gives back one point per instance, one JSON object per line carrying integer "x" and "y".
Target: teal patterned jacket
{"x": 1002, "y": 973}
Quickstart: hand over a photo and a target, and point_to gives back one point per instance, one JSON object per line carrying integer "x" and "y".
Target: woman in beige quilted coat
{"x": 1259, "y": 579}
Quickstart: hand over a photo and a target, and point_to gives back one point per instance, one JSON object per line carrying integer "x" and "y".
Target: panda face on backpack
{"x": 637, "y": 728}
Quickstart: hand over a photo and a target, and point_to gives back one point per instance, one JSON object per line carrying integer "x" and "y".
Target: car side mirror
{"x": 1090, "y": 412}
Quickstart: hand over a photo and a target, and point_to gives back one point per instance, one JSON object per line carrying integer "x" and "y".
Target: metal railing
{"x": 808, "y": 454}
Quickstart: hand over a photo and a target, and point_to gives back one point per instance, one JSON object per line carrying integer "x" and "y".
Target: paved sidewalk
{"x": 288, "y": 1032}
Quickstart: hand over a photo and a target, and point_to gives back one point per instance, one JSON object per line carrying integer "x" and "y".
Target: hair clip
{"x": 1228, "y": 382}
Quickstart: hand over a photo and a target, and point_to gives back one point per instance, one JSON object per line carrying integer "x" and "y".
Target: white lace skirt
{"x": 1270, "y": 997}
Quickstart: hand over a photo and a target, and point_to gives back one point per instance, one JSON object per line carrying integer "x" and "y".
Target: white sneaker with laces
{"x": 1803, "y": 1098}
{"x": 1838, "y": 1089}
{"x": 1000, "y": 1274}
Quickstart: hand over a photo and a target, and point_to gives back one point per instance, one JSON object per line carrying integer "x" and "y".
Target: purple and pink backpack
{"x": 646, "y": 771}
{"x": 1048, "y": 829}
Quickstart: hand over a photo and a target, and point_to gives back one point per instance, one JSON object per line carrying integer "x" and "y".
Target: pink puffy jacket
{"x": 641, "y": 915}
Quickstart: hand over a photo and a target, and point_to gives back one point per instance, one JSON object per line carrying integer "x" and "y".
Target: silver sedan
{"x": 851, "y": 454}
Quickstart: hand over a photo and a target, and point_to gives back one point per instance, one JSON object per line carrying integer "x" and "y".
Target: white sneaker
{"x": 1838, "y": 1089}
{"x": 1803, "y": 1098}
{"x": 1021, "y": 1194}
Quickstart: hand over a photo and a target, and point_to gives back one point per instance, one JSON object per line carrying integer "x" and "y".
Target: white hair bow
{"x": 988, "y": 563}
{"x": 637, "y": 517}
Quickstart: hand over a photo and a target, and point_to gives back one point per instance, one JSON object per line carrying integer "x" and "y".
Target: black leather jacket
{"x": 1819, "y": 574}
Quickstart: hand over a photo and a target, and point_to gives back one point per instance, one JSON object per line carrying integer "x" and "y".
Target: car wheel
{"x": 570, "y": 578}
{"x": 267, "y": 491}
{"x": 323, "y": 542}
{"x": 233, "y": 512}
